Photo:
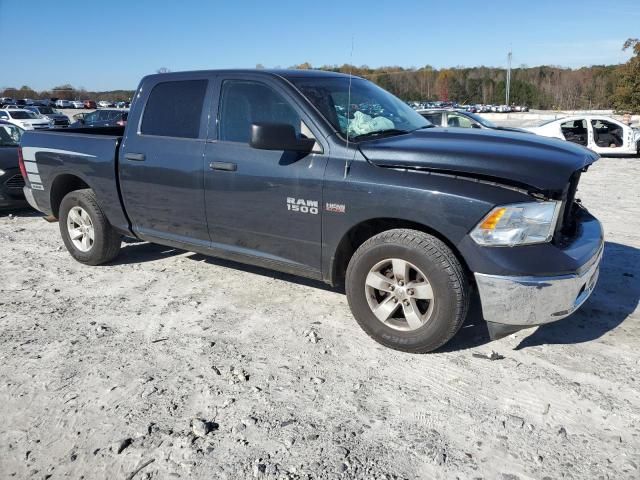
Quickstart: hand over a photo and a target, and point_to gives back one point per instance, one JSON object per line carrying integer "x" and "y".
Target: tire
{"x": 105, "y": 244}
{"x": 425, "y": 257}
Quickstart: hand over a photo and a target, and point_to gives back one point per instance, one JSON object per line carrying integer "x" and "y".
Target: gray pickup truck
{"x": 330, "y": 177}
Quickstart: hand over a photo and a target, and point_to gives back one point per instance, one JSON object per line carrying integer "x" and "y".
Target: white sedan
{"x": 25, "y": 119}
{"x": 603, "y": 135}
{"x": 77, "y": 104}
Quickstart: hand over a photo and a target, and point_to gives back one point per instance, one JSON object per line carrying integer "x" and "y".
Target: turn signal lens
{"x": 492, "y": 220}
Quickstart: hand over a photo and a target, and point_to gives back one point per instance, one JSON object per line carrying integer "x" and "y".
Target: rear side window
{"x": 174, "y": 109}
{"x": 247, "y": 102}
{"x": 435, "y": 118}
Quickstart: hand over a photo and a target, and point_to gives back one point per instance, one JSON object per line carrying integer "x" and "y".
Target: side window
{"x": 103, "y": 116}
{"x": 245, "y": 102}
{"x": 607, "y": 134}
{"x": 4, "y": 115}
{"x": 91, "y": 117}
{"x": 174, "y": 109}
{"x": 455, "y": 120}
{"x": 435, "y": 118}
{"x": 575, "y": 131}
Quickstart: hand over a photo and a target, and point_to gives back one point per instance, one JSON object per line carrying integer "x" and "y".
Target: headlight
{"x": 518, "y": 224}
{"x": 2, "y": 172}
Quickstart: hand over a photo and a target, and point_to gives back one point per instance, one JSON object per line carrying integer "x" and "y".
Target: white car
{"x": 25, "y": 119}
{"x": 63, "y": 104}
{"x": 77, "y": 104}
{"x": 104, "y": 104}
{"x": 603, "y": 135}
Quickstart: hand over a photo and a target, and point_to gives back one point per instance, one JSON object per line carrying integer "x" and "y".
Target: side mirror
{"x": 278, "y": 136}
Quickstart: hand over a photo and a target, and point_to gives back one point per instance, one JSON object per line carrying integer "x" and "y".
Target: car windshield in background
{"x": 10, "y": 135}
{"x": 46, "y": 110}
{"x": 367, "y": 110}
{"x": 481, "y": 120}
{"x": 22, "y": 115}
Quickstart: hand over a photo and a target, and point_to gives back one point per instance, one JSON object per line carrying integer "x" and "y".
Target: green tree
{"x": 626, "y": 96}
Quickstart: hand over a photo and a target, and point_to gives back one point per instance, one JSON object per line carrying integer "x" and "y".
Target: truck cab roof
{"x": 283, "y": 73}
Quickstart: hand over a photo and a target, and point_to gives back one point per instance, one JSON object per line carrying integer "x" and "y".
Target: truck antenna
{"x": 347, "y": 162}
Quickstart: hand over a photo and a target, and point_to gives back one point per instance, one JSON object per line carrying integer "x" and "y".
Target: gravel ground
{"x": 167, "y": 364}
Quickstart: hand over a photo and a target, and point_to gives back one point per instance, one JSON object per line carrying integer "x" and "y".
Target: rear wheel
{"x": 85, "y": 230}
{"x": 407, "y": 290}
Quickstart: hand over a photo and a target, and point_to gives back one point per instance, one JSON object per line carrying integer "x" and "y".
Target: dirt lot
{"x": 209, "y": 369}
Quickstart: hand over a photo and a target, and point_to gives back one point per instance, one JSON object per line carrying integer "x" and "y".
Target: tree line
{"x": 543, "y": 87}
{"x": 66, "y": 92}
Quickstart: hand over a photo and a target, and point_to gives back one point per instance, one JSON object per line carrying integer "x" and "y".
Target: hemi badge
{"x": 335, "y": 207}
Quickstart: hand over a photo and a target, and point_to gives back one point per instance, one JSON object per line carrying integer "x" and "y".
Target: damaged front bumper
{"x": 511, "y": 303}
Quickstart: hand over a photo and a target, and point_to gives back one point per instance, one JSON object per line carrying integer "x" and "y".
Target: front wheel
{"x": 407, "y": 290}
{"x": 85, "y": 230}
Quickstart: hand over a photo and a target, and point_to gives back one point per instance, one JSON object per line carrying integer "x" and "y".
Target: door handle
{"x": 136, "y": 157}
{"x": 226, "y": 166}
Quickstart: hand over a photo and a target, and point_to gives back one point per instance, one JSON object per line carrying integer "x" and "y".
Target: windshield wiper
{"x": 380, "y": 133}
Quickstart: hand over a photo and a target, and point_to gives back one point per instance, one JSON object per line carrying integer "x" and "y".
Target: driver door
{"x": 265, "y": 204}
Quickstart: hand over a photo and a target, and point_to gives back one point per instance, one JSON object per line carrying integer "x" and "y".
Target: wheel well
{"x": 362, "y": 232}
{"x": 62, "y": 185}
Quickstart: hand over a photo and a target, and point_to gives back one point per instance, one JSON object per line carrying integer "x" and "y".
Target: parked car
{"x": 77, "y": 104}
{"x": 57, "y": 119}
{"x": 27, "y": 101}
{"x": 7, "y": 101}
{"x": 24, "y": 119}
{"x": 43, "y": 102}
{"x": 11, "y": 181}
{"x": 604, "y": 135}
{"x": 406, "y": 215}
{"x": 90, "y": 104}
{"x": 104, "y": 104}
{"x": 443, "y": 117}
{"x": 63, "y": 104}
{"x": 105, "y": 117}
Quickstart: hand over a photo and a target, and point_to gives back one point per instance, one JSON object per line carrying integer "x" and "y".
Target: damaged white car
{"x": 603, "y": 135}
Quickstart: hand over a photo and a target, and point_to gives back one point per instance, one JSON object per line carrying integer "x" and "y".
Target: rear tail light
{"x": 23, "y": 170}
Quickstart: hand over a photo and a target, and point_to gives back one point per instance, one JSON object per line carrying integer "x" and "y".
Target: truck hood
{"x": 520, "y": 159}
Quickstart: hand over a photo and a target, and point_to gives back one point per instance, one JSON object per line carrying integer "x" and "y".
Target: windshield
{"x": 46, "y": 110}
{"x": 481, "y": 120}
{"x": 10, "y": 135}
{"x": 22, "y": 115}
{"x": 371, "y": 110}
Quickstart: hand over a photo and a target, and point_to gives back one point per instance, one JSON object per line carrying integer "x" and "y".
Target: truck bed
{"x": 86, "y": 156}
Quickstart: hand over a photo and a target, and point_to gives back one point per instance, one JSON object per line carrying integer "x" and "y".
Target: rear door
{"x": 261, "y": 203}
{"x": 161, "y": 160}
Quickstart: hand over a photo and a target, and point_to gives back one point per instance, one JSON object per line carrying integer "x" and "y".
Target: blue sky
{"x": 111, "y": 44}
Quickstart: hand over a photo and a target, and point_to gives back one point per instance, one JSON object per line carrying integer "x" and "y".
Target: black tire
{"x": 444, "y": 272}
{"x": 106, "y": 243}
